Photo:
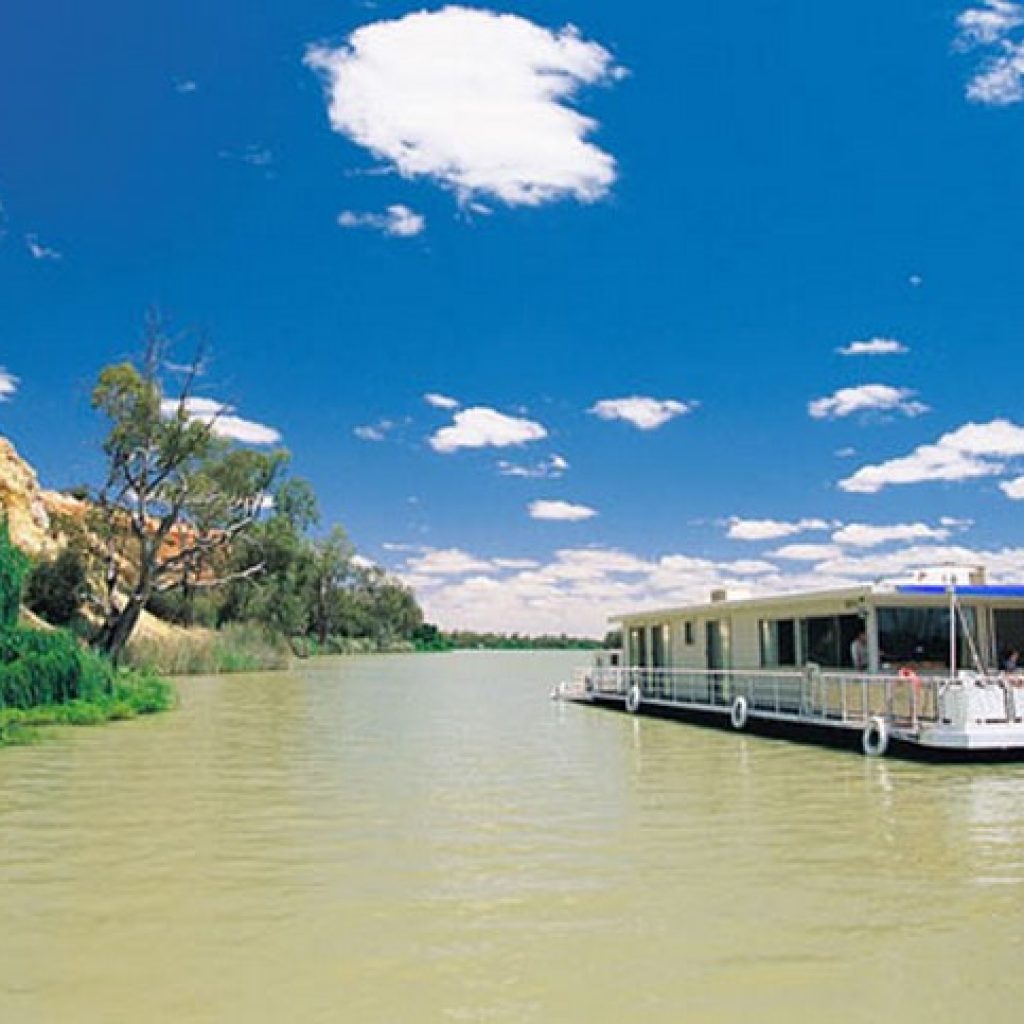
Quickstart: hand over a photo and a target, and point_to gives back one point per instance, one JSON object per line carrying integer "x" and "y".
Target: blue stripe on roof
{"x": 1015, "y": 590}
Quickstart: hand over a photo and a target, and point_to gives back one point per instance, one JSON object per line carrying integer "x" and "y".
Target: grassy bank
{"x": 48, "y": 678}
{"x": 132, "y": 694}
{"x": 238, "y": 647}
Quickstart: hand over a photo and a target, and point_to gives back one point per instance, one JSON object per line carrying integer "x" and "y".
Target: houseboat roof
{"x": 903, "y": 592}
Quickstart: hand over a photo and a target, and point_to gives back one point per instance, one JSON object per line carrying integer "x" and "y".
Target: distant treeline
{"x": 429, "y": 638}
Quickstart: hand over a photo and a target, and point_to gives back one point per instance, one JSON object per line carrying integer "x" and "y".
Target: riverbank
{"x": 131, "y": 694}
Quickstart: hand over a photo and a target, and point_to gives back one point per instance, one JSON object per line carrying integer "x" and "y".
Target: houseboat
{"x": 925, "y": 665}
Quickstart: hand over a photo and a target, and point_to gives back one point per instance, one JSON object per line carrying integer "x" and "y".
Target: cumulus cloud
{"x": 992, "y": 27}
{"x": 874, "y": 347}
{"x": 447, "y": 562}
{"x": 561, "y": 511}
{"x": 8, "y": 385}
{"x": 397, "y": 221}
{"x": 1013, "y": 489}
{"x": 867, "y": 398}
{"x": 972, "y": 451}
{"x": 38, "y": 251}
{"x": 550, "y": 468}
{"x": 577, "y": 589}
{"x": 644, "y": 413}
{"x": 771, "y": 529}
{"x": 805, "y": 552}
{"x": 440, "y": 401}
{"x": 481, "y": 427}
{"x": 474, "y": 100}
{"x": 224, "y": 422}
{"x": 865, "y": 535}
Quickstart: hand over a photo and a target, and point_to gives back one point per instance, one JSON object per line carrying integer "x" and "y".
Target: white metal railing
{"x": 905, "y": 700}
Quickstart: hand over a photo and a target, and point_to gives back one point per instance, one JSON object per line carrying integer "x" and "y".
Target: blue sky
{"x": 359, "y": 220}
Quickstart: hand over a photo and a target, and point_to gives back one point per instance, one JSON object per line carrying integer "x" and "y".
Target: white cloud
{"x": 577, "y": 589}
{"x": 867, "y": 398}
{"x": 1000, "y": 80}
{"x": 982, "y": 26}
{"x": 447, "y": 562}
{"x": 561, "y": 511}
{"x": 397, "y": 220}
{"x": 480, "y": 427}
{"x": 550, "y": 468}
{"x": 864, "y": 535}
{"x": 440, "y": 401}
{"x": 225, "y": 423}
{"x": 644, "y": 413}
{"x": 38, "y": 251}
{"x": 771, "y": 529}
{"x": 972, "y": 451}
{"x": 374, "y": 431}
{"x": 1013, "y": 489}
{"x": 805, "y": 552}
{"x": 874, "y": 347}
{"x": 475, "y": 100}
{"x": 185, "y": 86}
{"x": 8, "y": 384}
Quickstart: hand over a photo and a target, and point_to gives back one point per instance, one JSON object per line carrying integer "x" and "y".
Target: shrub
{"x": 56, "y": 587}
{"x": 238, "y": 647}
{"x": 49, "y": 668}
{"x": 13, "y": 566}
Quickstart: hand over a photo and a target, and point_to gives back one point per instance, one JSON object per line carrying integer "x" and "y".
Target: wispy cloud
{"x": 481, "y": 427}
{"x": 560, "y": 511}
{"x": 440, "y": 401}
{"x": 865, "y": 535}
{"x": 8, "y": 385}
{"x": 397, "y": 221}
{"x": 874, "y": 347}
{"x": 642, "y": 412}
{"x": 771, "y": 529}
{"x": 254, "y": 155}
{"x": 374, "y": 431}
{"x": 972, "y": 451}
{"x": 550, "y": 468}
{"x": 184, "y": 86}
{"x": 38, "y": 251}
{"x": 992, "y": 27}
{"x": 805, "y": 552}
{"x": 867, "y": 398}
{"x": 225, "y": 423}
{"x": 475, "y": 100}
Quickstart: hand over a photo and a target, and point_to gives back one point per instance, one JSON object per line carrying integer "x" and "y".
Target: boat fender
{"x": 739, "y": 712}
{"x": 633, "y": 699}
{"x": 911, "y": 677}
{"x": 875, "y": 738}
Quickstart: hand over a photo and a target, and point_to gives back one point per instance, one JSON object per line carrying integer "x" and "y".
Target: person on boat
{"x": 859, "y": 651}
{"x": 1011, "y": 663}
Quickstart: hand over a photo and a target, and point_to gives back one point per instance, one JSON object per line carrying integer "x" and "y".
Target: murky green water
{"x": 430, "y": 839}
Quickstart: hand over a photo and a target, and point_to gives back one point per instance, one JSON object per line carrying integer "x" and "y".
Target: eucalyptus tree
{"x": 176, "y": 495}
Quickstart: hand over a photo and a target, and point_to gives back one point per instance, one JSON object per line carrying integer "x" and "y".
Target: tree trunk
{"x": 117, "y": 630}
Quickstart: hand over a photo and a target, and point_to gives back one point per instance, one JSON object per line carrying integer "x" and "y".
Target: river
{"x": 397, "y": 840}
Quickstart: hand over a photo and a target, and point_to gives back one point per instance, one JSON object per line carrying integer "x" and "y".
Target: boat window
{"x": 688, "y": 633}
{"x": 827, "y": 639}
{"x": 778, "y": 642}
{"x": 921, "y": 636}
{"x": 659, "y": 645}
{"x": 638, "y": 647}
{"x": 1009, "y": 624}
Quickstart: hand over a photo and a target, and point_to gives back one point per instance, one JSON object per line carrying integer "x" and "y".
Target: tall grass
{"x": 238, "y": 647}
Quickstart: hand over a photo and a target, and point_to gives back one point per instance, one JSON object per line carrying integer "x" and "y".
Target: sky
{"x": 564, "y": 308}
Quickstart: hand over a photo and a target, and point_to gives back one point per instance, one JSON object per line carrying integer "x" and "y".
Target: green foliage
{"x": 13, "y": 567}
{"x": 429, "y": 638}
{"x": 49, "y": 668}
{"x": 57, "y": 587}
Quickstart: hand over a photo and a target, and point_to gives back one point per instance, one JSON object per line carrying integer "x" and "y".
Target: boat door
{"x": 719, "y": 655}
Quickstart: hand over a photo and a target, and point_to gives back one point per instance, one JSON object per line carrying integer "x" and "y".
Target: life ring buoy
{"x": 738, "y": 713}
{"x": 874, "y": 740}
{"x": 633, "y": 699}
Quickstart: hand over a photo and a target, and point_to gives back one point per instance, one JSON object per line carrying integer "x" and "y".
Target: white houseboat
{"x": 925, "y": 665}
